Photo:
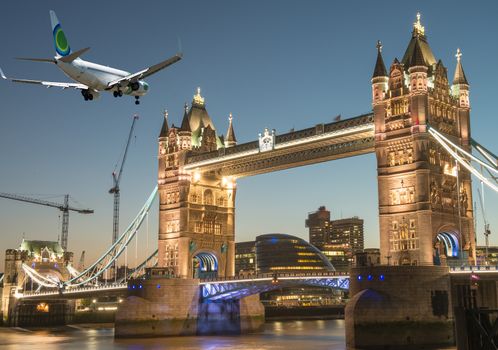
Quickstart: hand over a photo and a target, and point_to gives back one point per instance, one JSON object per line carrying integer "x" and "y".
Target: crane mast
{"x": 64, "y": 207}
{"x": 116, "y": 177}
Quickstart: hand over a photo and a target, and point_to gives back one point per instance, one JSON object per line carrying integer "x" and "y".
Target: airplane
{"x": 92, "y": 78}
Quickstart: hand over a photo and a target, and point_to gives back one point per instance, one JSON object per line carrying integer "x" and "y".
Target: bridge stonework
{"x": 425, "y": 200}
{"x": 425, "y": 205}
{"x": 196, "y": 213}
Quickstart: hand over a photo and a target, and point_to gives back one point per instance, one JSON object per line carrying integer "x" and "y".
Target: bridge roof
{"x": 418, "y": 46}
{"x": 36, "y": 247}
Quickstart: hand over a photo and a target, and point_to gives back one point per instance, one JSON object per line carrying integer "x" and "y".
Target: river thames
{"x": 309, "y": 334}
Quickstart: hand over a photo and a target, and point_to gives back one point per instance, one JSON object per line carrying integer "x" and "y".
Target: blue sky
{"x": 276, "y": 64}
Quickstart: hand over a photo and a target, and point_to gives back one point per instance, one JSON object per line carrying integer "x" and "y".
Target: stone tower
{"x": 196, "y": 214}
{"x": 425, "y": 199}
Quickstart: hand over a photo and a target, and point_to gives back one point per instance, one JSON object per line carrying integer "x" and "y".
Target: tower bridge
{"x": 419, "y": 131}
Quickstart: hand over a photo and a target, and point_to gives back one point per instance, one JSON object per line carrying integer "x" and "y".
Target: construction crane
{"x": 116, "y": 178}
{"x": 64, "y": 207}
{"x": 81, "y": 264}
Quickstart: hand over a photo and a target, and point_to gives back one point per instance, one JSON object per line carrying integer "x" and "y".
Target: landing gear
{"x": 117, "y": 93}
{"x": 87, "y": 95}
{"x": 137, "y": 102}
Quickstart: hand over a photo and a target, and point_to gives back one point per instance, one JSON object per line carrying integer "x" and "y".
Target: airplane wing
{"x": 144, "y": 72}
{"x": 48, "y": 84}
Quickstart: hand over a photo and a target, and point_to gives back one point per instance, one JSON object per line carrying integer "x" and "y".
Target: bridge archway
{"x": 446, "y": 244}
{"x": 204, "y": 265}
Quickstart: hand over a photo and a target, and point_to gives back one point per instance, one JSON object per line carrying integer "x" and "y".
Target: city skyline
{"x": 58, "y": 143}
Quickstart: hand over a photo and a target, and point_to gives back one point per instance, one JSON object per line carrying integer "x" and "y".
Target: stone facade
{"x": 196, "y": 214}
{"x": 393, "y": 307}
{"x": 158, "y": 307}
{"x": 425, "y": 200}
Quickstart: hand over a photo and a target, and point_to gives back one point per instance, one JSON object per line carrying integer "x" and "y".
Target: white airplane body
{"x": 91, "y": 78}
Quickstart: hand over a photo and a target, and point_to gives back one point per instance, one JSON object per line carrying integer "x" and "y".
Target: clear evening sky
{"x": 275, "y": 64}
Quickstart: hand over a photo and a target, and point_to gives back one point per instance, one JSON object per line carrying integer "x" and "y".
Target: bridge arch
{"x": 205, "y": 264}
{"x": 447, "y": 243}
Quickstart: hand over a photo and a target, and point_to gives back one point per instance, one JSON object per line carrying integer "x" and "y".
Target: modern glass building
{"x": 245, "y": 257}
{"x": 279, "y": 252}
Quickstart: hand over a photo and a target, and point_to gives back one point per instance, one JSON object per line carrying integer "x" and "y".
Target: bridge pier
{"x": 159, "y": 307}
{"x": 398, "y": 307}
{"x": 39, "y": 313}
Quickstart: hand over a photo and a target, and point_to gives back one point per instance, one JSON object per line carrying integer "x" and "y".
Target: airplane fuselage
{"x": 97, "y": 77}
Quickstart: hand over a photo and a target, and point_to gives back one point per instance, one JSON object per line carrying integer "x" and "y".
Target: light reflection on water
{"x": 310, "y": 334}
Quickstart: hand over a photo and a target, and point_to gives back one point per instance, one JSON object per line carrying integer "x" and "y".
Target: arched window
{"x": 208, "y": 197}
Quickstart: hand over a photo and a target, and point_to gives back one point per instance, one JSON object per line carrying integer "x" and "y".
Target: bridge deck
{"x": 308, "y": 146}
{"x": 240, "y": 286}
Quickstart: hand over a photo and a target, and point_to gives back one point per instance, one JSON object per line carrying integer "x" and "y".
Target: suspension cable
{"x": 435, "y": 132}
{"x": 107, "y": 259}
{"x": 462, "y": 161}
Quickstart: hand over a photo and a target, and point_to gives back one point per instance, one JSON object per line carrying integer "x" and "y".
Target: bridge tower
{"x": 197, "y": 211}
{"x": 425, "y": 199}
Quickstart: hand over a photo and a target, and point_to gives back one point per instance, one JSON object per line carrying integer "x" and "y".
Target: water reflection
{"x": 313, "y": 334}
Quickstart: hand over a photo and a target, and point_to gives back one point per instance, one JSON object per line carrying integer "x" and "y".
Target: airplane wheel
{"x": 137, "y": 102}
{"x": 120, "y": 93}
{"x": 85, "y": 97}
{"x": 115, "y": 93}
{"x": 90, "y": 97}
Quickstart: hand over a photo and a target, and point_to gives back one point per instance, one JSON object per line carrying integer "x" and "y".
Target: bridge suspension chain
{"x": 106, "y": 260}
{"x": 464, "y": 158}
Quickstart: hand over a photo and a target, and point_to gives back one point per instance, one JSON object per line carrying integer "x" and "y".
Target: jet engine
{"x": 138, "y": 88}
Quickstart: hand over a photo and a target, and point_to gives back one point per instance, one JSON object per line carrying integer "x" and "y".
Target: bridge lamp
{"x": 120, "y": 300}
{"x": 228, "y": 182}
{"x": 197, "y": 176}
{"x": 94, "y": 301}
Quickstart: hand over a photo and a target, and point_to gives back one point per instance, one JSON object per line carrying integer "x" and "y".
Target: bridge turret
{"x": 230, "y": 140}
{"x": 379, "y": 90}
{"x": 417, "y": 71}
{"x": 425, "y": 202}
{"x": 460, "y": 90}
{"x": 185, "y": 132}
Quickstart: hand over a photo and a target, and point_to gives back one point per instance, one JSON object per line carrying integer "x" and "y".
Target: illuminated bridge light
{"x": 360, "y": 277}
{"x": 370, "y": 277}
{"x": 381, "y": 277}
{"x": 158, "y": 286}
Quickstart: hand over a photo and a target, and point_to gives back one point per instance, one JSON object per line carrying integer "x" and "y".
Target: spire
{"x": 165, "y": 128}
{"x": 417, "y": 57}
{"x": 185, "y": 122}
{"x": 425, "y": 52}
{"x": 230, "y": 139}
{"x": 380, "y": 67}
{"x": 459, "y": 77}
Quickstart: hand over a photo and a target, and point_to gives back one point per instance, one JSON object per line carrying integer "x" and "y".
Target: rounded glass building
{"x": 282, "y": 253}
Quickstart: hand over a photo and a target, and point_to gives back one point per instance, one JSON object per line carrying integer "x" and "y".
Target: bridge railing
{"x": 474, "y": 268}
{"x": 75, "y": 290}
{"x": 287, "y": 137}
{"x": 274, "y": 275}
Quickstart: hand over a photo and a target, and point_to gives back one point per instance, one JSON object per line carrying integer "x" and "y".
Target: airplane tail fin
{"x": 60, "y": 41}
